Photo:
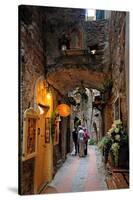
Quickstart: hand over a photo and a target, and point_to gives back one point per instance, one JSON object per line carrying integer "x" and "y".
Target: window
{"x": 90, "y": 14}
{"x": 100, "y": 14}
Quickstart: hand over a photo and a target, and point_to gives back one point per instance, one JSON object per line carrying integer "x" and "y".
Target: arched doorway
{"x": 43, "y": 103}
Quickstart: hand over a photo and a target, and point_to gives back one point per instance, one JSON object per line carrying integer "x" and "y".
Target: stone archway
{"x": 65, "y": 79}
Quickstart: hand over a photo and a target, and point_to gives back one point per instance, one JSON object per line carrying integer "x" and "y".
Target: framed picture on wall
{"x": 30, "y": 134}
{"x": 47, "y": 130}
{"x": 117, "y": 108}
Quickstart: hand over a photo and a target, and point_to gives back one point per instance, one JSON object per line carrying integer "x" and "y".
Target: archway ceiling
{"x": 66, "y": 79}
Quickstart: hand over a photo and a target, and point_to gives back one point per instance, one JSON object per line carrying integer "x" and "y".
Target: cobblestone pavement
{"x": 80, "y": 174}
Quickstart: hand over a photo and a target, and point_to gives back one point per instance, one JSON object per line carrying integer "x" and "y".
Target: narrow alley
{"x": 79, "y": 174}
{"x": 74, "y": 67}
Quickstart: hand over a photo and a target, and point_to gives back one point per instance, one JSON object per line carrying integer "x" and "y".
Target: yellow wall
{"x": 48, "y": 159}
{"x": 44, "y": 158}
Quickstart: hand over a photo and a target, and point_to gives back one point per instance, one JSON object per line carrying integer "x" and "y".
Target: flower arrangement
{"x": 114, "y": 141}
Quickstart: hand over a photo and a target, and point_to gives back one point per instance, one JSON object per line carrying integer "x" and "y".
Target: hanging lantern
{"x": 64, "y": 110}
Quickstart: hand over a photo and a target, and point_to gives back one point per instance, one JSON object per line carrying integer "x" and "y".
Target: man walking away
{"x": 75, "y": 139}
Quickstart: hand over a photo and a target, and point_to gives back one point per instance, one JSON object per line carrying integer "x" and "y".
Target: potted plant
{"x": 115, "y": 145}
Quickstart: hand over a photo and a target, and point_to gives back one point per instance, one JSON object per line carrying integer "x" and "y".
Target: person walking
{"x": 81, "y": 141}
{"x": 86, "y": 137}
{"x": 75, "y": 140}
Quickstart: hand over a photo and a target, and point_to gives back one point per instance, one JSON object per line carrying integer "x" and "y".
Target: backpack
{"x": 86, "y": 135}
{"x": 81, "y": 135}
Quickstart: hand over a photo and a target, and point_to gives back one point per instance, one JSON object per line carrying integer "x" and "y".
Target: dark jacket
{"x": 74, "y": 136}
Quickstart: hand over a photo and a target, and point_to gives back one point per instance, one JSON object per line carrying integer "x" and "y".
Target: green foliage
{"x": 115, "y": 150}
{"x": 104, "y": 142}
{"x": 124, "y": 138}
{"x": 92, "y": 141}
{"x": 77, "y": 122}
{"x": 114, "y": 141}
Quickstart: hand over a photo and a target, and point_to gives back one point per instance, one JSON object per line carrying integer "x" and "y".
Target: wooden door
{"x": 39, "y": 165}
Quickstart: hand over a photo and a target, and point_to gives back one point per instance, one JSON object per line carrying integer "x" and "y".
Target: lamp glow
{"x": 93, "y": 51}
{"x": 48, "y": 95}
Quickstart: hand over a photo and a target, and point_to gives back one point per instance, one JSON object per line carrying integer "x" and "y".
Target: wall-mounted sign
{"x": 29, "y": 134}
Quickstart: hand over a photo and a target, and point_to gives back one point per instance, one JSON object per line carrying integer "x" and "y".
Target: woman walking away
{"x": 86, "y": 137}
{"x": 75, "y": 139}
{"x": 81, "y": 141}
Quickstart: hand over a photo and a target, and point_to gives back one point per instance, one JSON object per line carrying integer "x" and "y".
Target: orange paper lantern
{"x": 64, "y": 110}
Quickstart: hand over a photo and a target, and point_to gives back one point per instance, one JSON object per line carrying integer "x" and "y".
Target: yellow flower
{"x": 111, "y": 130}
{"x": 117, "y": 122}
{"x": 117, "y": 137}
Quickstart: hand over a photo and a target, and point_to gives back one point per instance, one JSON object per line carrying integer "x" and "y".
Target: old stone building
{"x": 59, "y": 51}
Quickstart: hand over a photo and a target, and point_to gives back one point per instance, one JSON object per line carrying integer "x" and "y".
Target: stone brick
{"x": 32, "y": 63}
{"x": 119, "y": 67}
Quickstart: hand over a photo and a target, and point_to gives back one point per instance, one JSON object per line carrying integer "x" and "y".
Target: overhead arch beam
{"x": 66, "y": 79}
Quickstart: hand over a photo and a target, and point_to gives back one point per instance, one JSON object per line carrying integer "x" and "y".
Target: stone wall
{"x": 97, "y": 32}
{"x": 63, "y": 20}
{"x": 32, "y": 63}
{"x": 97, "y": 37}
{"x": 32, "y": 56}
{"x": 119, "y": 62}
